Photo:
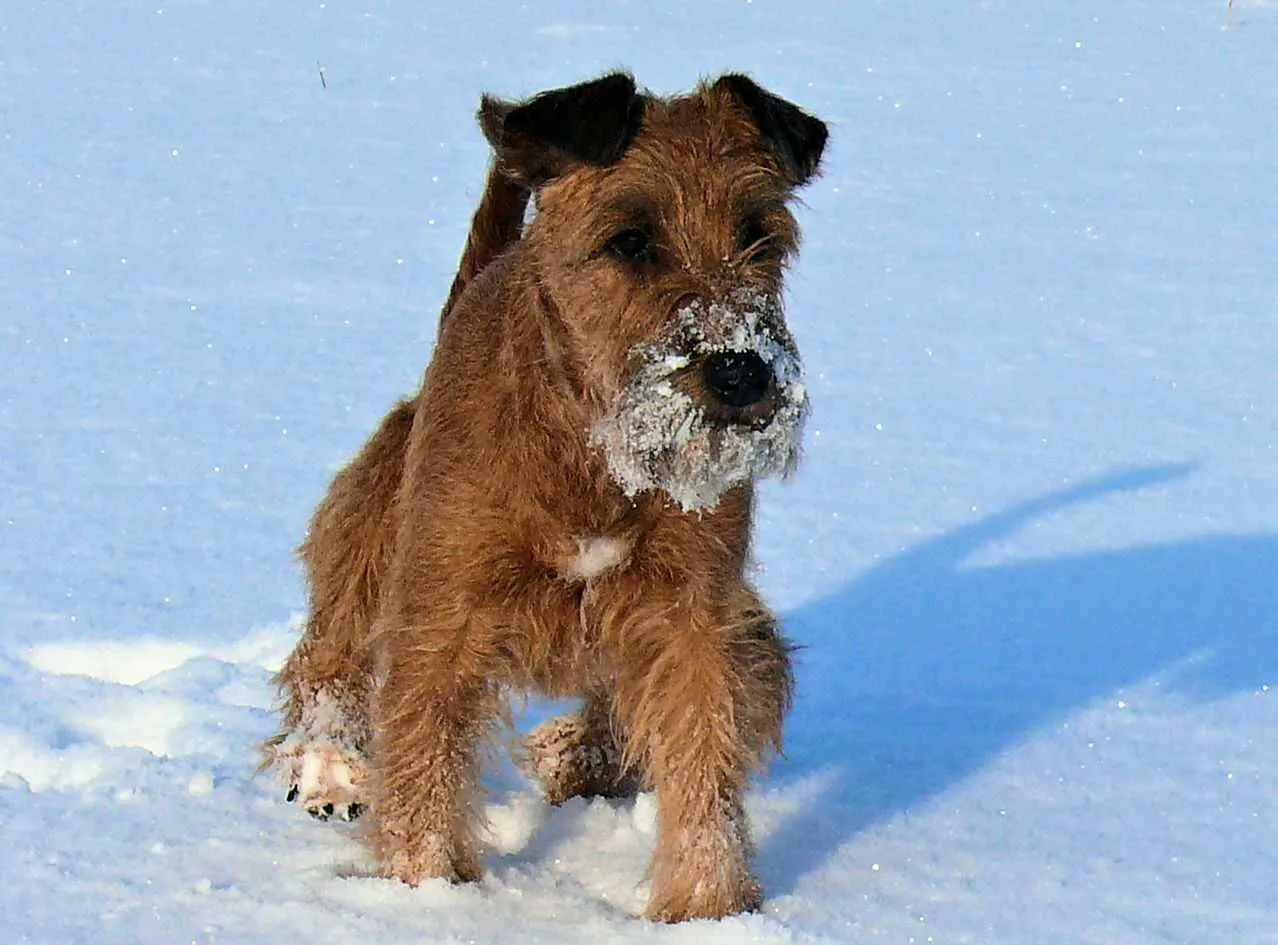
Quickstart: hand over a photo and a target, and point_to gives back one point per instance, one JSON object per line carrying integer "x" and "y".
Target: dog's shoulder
{"x": 475, "y": 320}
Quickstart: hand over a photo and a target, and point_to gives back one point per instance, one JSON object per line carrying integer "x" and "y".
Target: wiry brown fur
{"x": 446, "y": 563}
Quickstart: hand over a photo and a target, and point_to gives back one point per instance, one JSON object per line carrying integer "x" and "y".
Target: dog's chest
{"x": 593, "y": 556}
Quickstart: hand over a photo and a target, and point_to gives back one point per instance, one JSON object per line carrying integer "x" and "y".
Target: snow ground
{"x": 1031, "y": 554}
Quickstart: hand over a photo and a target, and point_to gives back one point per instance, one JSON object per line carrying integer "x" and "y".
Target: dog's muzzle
{"x": 715, "y": 401}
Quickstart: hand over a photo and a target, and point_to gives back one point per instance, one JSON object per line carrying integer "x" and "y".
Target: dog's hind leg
{"x": 580, "y": 755}
{"x": 326, "y": 685}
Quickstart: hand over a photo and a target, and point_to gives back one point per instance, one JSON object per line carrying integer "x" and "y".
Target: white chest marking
{"x": 594, "y": 557}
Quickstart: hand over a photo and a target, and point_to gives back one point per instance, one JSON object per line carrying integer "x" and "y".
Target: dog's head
{"x": 661, "y": 232}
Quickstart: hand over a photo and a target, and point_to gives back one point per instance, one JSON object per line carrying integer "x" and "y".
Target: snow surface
{"x": 1032, "y": 552}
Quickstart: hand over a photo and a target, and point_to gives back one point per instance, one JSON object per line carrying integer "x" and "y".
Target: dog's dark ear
{"x": 544, "y": 136}
{"x": 795, "y": 137}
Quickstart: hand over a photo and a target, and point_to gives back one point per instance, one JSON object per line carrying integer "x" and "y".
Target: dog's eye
{"x": 753, "y": 238}
{"x": 632, "y": 244}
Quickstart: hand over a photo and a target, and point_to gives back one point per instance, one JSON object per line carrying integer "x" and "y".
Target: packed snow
{"x": 1031, "y": 552}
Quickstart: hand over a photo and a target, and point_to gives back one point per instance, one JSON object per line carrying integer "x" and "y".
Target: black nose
{"x": 738, "y": 378}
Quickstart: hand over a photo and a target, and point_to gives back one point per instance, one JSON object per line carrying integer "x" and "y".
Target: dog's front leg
{"x": 702, "y": 692}
{"x": 434, "y": 706}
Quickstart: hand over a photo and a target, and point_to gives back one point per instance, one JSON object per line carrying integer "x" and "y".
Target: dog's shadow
{"x": 923, "y": 669}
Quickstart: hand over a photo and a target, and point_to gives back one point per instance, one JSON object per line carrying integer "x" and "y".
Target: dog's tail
{"x": 498, "y": 222}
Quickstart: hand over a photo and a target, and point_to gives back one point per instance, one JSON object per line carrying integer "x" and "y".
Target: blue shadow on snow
{"x": 923, "y": 669}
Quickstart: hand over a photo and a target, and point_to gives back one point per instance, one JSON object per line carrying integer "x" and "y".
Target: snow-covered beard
{"x": 665, "y": 430}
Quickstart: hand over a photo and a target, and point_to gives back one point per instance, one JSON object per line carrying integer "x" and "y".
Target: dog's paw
{"x": 433, "y": 857}
{"x": 326, "y": 781}
{"x": 319, "y": 754}
{"x": 705, "y": 901}
{"x": 570, "y": 758}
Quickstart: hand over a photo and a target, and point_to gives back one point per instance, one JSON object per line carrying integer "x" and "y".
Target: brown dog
{"x": 565, "y": 506}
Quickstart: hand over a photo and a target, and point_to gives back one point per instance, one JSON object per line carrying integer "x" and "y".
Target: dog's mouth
{"x": 716, "y": 401}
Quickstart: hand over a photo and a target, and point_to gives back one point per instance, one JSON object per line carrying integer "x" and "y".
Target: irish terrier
{"x": 565, "y": 505}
